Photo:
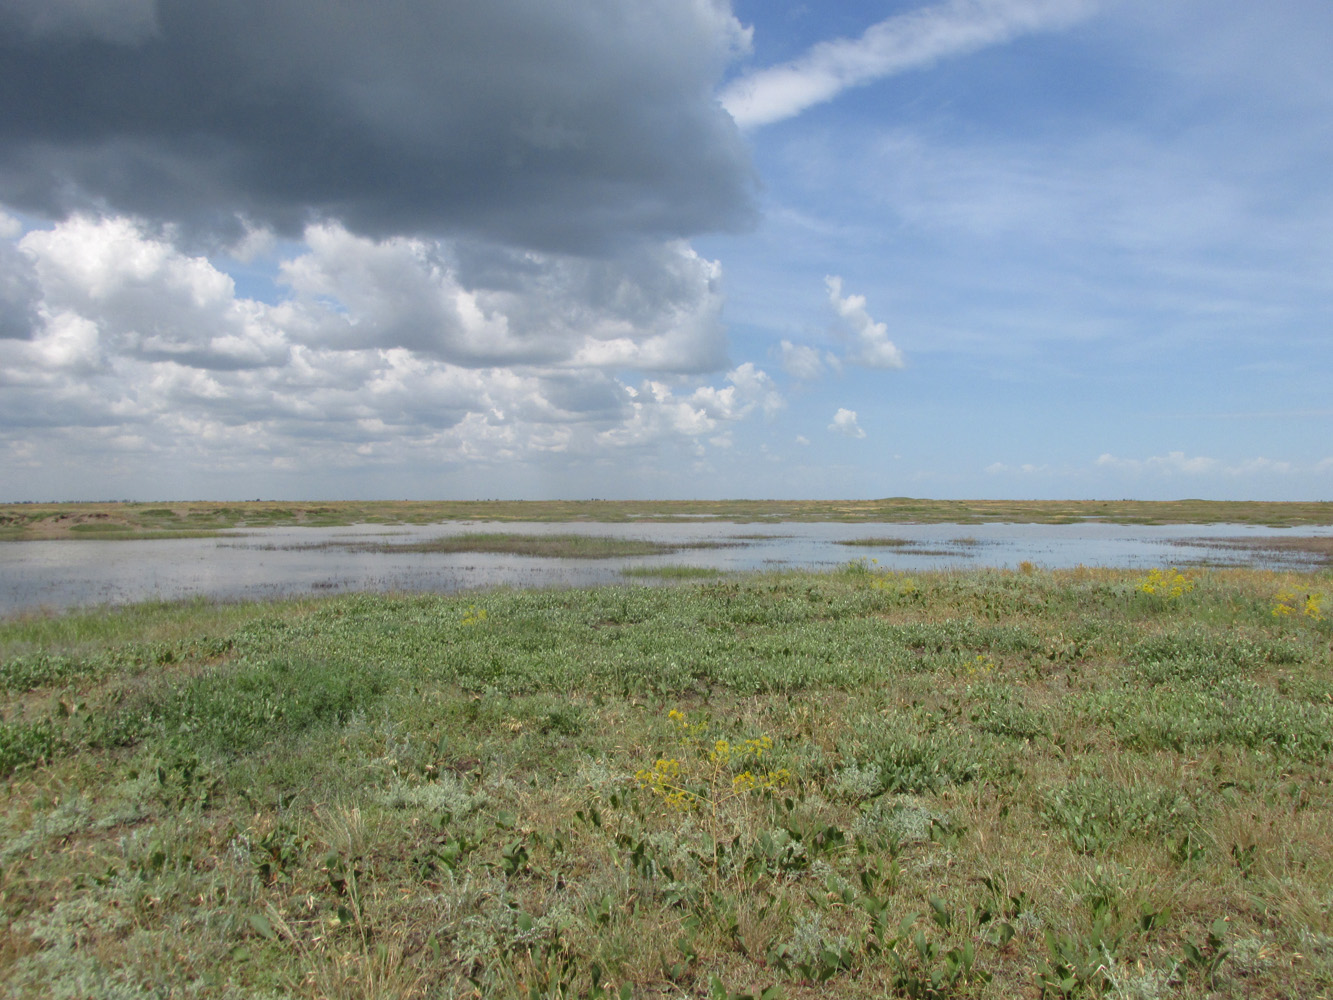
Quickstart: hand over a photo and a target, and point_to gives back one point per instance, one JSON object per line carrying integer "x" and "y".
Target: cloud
{"x": 874, "y": 349}
{"x": 750, "y": 387}
{"x": 658, "y": 413}
{"x": 803, "y": 362}
{"x": 146, "y": 298}
{"x": 844, "y": 422}
{"x": 1172, "y": 465}
{"x": 568, "y": 127}
{"x": 655, "y": 307}
{"x": 124, "y": 22}
{"x": 899, "y": 43}
{"x": 139, "y": 357}
{"x": 18, "y": 284}
{"x": 1177, "y": 463}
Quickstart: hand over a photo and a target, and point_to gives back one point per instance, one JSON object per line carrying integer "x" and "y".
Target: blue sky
{"x": 969, "y": 248}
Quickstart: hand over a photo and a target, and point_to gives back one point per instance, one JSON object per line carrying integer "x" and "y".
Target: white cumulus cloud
{"x": 146, "y": 298}
{"x": 874, "y": 349}
{"x": 844, "y": 422}
{"x": 134, "y": 356}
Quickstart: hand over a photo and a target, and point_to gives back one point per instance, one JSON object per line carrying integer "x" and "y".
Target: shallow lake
{"x": 272, "y": 562}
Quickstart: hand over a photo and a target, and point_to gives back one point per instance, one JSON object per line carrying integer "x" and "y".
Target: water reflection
{"x": 271, "y": 562}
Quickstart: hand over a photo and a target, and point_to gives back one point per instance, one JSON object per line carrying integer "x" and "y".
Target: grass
{"x": 1319, "y": 548}
{"x": 674, "y": 572}
{"x": 986, "y": 784}
{"x": 541, "y": 546}
{"x": 64, "y": 520}
{"x": 954, "y": 547}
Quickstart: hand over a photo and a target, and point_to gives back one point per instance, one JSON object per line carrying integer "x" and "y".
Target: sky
{"x": 429, "y": 249}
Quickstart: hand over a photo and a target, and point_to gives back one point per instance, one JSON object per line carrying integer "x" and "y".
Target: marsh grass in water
{"x": 542, "y": 546}
{"x": 1319, "y": 548}
{"x": 539, "y": 546}
{"x": 878, "y": 543}
{"x": 974, "y": 785}
{"x": 917, "y": 547}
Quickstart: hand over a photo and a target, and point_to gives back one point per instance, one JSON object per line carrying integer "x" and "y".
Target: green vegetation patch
{"x": 38, "y": 520}
{"x": 674, "y": 572}
{"x": 543, "y": 546}
{"x": 1090, "y": 783}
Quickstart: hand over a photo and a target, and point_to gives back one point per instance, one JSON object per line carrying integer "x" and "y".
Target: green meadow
{"x": 1088, "y": 783}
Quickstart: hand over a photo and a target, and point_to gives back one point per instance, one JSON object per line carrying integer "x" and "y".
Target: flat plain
{"x": 852, "y": 784}
{"x": 111, "y": 520}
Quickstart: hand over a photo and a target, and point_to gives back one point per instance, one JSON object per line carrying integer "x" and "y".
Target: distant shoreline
{"x": 27, "y": 521}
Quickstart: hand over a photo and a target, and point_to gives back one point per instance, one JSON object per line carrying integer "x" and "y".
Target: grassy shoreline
{"x": 129, "y": 520}
{"x": 983, "y": 784}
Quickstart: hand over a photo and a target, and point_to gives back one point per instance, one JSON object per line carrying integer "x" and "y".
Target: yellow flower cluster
{"x": 687, "y": 728}
{"x": 1288, "y": 603}
{"x": 474, "y": 615}
{"x": 724, "y": 752}
{"x": 982, "y": 666}
{"x": 746, "y": 781}
{"x": 1168, "y": 584}
{"x": 667, "y": 778}
{"x": 898, "y": 584}
{"x": 663, "y": 780}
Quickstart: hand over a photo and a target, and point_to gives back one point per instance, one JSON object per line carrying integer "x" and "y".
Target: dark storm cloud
{"x": 120, "y": 21}
{"x": 563, "y": 126}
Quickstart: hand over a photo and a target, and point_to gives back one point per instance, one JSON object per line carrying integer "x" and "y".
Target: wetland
{"x": 266, "y": 561}
{"x": 245, "y": 754}
{"x": 986, "y": 783}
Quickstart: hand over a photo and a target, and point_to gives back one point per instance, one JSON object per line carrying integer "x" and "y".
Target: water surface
{"x": 273, "y": 562}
